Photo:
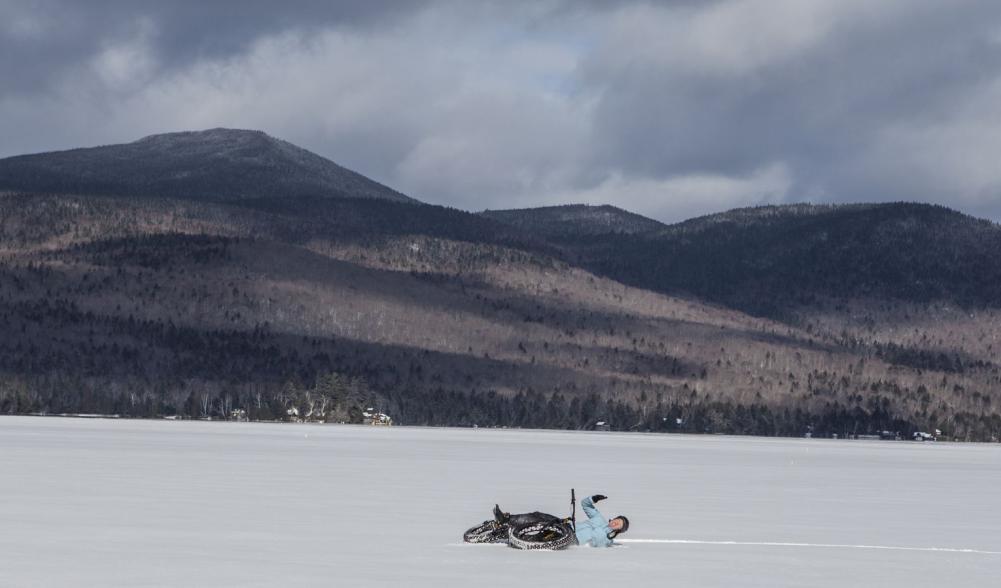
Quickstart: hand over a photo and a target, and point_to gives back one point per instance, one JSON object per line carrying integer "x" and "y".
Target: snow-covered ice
{"x": 158, "y": 503}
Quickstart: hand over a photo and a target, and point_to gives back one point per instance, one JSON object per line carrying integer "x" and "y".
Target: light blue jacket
{"x": 594, "y": 530}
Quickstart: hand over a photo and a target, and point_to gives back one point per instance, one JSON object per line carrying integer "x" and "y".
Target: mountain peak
{"x": 575, "y": 220}
{"x": 767, "y": 215}
{"x": 219, "y": 135}
{"x": 216, "y": 164}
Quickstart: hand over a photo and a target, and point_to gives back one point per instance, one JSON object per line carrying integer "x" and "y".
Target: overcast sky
{"x": 669, "y": 109}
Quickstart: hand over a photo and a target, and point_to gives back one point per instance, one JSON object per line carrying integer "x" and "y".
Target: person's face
{"x": 615, "y": 524}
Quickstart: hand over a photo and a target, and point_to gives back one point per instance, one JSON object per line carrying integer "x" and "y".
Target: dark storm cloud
{"x": 814, "y": 106}
{"x": 57, "y": 34}
{"x": 667, "y": 108}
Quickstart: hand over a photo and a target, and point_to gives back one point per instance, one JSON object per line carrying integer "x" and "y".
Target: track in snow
{"x": 770, "y": 544}
{"x": 818, "y": 545}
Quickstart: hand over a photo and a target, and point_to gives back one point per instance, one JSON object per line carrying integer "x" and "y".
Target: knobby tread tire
{"x": 551, "y": 536}
{"x": 486, "y": 532}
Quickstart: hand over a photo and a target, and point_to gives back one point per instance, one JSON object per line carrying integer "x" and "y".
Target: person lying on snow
{"x": 596, "y": 531}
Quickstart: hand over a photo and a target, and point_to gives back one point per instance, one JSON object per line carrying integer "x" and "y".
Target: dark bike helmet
{"x": 625, "y": 527}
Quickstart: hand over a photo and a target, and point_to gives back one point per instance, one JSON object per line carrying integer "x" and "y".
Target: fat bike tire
{"x": 486, "y": 532}
{"x": 549, "y": 535}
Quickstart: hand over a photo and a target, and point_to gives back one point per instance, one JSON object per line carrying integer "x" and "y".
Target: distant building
{"x": 377, "y": 418}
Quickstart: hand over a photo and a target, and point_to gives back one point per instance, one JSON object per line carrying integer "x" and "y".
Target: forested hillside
{"x": 765, "y": 260}
{"x": 312, "y": 306}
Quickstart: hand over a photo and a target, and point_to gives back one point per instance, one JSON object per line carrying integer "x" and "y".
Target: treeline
{"x": 692, "y": 415}
{"x": 331, "y": 398}
{"x": 336, "y": 398}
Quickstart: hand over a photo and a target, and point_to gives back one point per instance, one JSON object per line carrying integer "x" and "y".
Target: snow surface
{"x": 175, "y": 503}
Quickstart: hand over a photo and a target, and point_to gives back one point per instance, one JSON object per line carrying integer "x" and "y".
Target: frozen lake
{"x": 158, "y": 503}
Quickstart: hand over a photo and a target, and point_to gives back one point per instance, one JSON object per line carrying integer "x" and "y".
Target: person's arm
{"x": 589, "y": 509}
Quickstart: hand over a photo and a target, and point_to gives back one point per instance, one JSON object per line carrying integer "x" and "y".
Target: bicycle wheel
{"x": 551, "y": 535}
{"x": 486, "y": 532}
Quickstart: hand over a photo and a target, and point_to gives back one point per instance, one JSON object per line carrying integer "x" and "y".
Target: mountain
{"x": 283, "y": 305}
{"x": 217, "y": 165}
{"x": 574, "y": 221}
{"x": 768, "y": 260}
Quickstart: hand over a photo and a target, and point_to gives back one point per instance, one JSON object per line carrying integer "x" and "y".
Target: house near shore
{"x": 378, "y": 419}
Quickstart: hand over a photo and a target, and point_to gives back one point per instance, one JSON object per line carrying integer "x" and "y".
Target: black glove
{"x": 598, "y": 497}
